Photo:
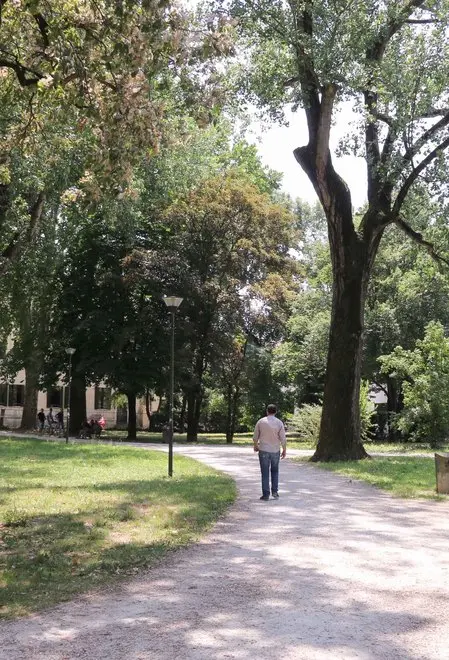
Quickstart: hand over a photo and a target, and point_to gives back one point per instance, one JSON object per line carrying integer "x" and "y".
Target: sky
{"x": 276, "y": 145}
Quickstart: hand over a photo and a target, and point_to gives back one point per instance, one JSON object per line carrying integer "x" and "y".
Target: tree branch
{"x": 434, "y": 112}
{"x": 377, "y": 50}
{"x": 324, "y": 127}
{"x": 412, "y": 177}
{"x": 43, "y": 29}
{"x": 21, "y": 72}
{"x": 418, "y": 238}
{"x": 371, "y": 144}
{"x": 414, "y": 149}
{"x": 310, "y": 85}
{"x": 12, "y": 249}
{"x": 421, "y": 21}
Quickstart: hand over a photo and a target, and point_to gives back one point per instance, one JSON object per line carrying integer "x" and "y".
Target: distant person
{"x": 60, "y": 420}
{"x": 102, "y": 422}
{"x": 50, "y": 420}
{"x": 86, "y": 430}
{"x": 95, "y": 428}
{"x": 269, "y": 436}
{"x": 41, "y": 419}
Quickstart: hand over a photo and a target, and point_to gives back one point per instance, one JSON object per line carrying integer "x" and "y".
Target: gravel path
{"x": 333, "y": 570}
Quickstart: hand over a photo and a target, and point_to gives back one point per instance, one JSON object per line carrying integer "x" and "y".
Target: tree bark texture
{"x": 29, "y": 412}
{"x": 352, "y": 255}
{"x": 194, "y": 401}
{"x": 132, "y": 416}
{"x": 394, "y": 406}
{"x": 148, "y": 399}
{"x": 340, "y": 423}
{"x": 233, "y": 397}
{"x": 78, "y": 413}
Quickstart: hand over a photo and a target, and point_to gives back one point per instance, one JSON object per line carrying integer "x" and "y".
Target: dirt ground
{"x": 333, "y": 570}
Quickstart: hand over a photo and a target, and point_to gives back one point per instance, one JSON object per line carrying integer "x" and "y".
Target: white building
{"x": 98, "y": 403}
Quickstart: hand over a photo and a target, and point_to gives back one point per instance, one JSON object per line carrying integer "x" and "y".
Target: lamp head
{"x": 70, "y": 351}
{"x": 172, "y": 302}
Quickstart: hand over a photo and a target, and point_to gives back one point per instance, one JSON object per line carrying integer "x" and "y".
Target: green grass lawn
{"x": 73, "y": 517}
{"x": 403, "y": 448}
{"x": 402, "y": 476}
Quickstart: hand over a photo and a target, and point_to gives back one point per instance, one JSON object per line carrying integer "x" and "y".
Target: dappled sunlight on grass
{"x": 402, "y": 476}
{"x": 74, "y": 516}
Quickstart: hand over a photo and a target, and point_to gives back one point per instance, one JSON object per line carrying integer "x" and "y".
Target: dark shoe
{"x": 275, "y": 496}
{"x": 265, "y": 498}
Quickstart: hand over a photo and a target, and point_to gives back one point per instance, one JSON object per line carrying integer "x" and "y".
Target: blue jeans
{"x": 269, "y": 462}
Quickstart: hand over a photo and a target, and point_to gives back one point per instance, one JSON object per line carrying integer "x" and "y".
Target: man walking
{"x": 269, "y": 435}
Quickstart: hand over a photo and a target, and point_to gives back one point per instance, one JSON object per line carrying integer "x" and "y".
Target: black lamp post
{"x": 172, "y": 303}
{"x": 70, "y": 352}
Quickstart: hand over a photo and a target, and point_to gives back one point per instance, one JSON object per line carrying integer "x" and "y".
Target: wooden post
{"x": 442, "y": 473}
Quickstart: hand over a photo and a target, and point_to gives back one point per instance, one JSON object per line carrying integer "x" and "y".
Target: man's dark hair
{"x": 271, "y": 409}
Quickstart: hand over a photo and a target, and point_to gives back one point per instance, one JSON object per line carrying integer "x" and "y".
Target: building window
{"x": 54, "y": 397}
{"x": 3, "y": 394}
{"x": 16, "y": 395}
{"x": 102, "y": 398}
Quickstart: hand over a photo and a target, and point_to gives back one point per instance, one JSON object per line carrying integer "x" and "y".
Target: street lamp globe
{"x": 172, "y": 302}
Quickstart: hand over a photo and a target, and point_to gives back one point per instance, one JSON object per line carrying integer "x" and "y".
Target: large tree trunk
{"x": 394, "y": 405}
{"x": 29, "y": 412}
{"x": 132, "y": 416}
{"x": 194, "y": 402}
{"x": 148, "y": 399}
{"x": 352, "y": 253}
{"x": 192, "y": 428}
{"x": 340, "y": 423}
{"x": 233, "y": 397}
{"x": 352, "y": 261}
{"x": 78, "y": 412}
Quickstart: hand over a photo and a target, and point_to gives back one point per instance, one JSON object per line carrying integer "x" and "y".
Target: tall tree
{"x": 226, "y": 238}
{"x": 389, "y": 59}
{"x": 111, "y": 72}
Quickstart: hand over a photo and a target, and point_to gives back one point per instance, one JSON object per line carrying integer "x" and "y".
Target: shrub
{"x": 425, "y": 375}
{"x": 307, "y": 420}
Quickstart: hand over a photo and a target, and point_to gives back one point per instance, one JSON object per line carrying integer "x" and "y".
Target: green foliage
{"x": 215, "y": 411}
{"x": 228, "y": 251}
{"x": 300, "y": 359}
{"x": 306, "y": 420}
{"x": 425, "y": 371}
{"x": 367, "y": 408}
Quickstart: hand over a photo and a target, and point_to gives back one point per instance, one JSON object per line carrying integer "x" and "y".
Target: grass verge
{"x": 402, "y": 476}
{"x": 73, "y": 517}
{"x": 240, "y": 439}
{"x": 294, "y": 441}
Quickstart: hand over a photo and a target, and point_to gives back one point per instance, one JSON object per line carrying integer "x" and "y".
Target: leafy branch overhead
{"x": 94, "y": 83}
{"x": 389, "y": 59}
